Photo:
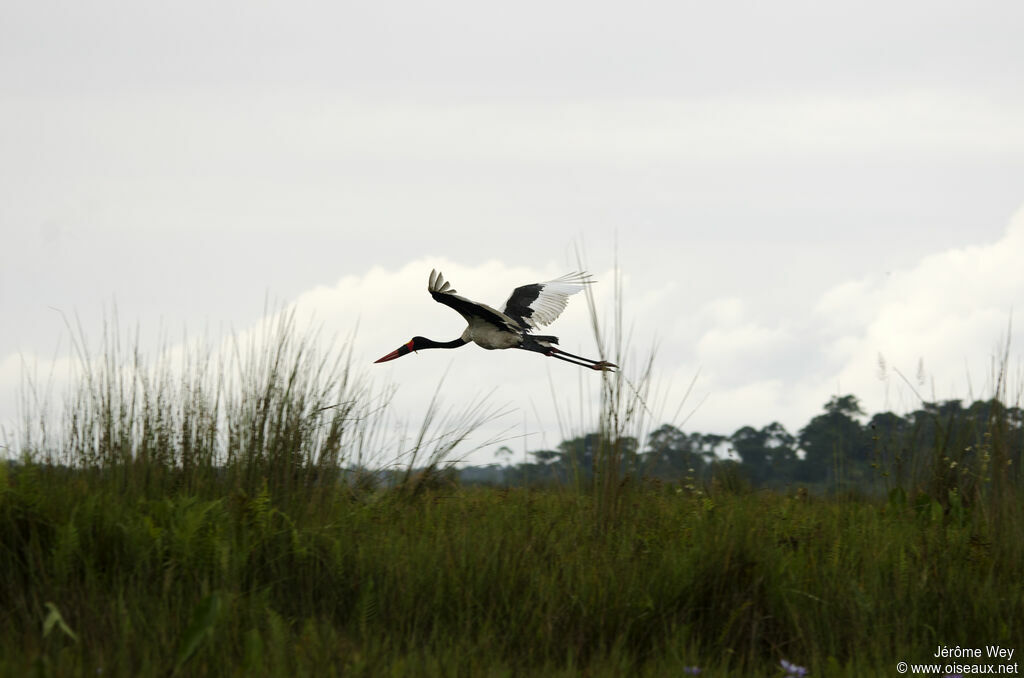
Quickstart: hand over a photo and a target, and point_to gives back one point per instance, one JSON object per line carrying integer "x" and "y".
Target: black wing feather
{"x": 518, "y": 305}
{"x": 444, "y": 293}
{"x": 468, "y": 309}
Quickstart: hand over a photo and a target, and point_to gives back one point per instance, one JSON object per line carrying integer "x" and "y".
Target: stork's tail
{"x": 541, "y": 343}
{"x": 545, "y": 338}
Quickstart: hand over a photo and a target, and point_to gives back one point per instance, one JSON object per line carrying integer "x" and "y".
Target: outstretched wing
{"x": 541, "y": 303}
{"x": 444, "y": 293}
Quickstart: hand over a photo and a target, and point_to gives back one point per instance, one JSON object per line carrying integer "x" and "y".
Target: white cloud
{"x": 949, "y": 313}
{"x": 30, "y": 385}
{"x": 10, "y": 375}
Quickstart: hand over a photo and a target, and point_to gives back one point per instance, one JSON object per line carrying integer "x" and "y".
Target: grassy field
{"x": 166, "y": 527}
{"x": 463, "y": 581}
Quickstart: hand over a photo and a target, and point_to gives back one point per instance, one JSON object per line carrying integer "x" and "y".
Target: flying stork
{"x": 528, "y": 308}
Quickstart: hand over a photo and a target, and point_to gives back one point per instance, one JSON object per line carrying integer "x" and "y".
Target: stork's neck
{"x": 454, "y": 343}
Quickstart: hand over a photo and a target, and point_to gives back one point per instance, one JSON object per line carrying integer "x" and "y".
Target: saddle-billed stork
{"x": 529, "y": 307}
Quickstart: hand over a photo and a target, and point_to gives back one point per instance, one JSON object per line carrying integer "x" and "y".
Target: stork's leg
{"x": 543, "y": 345}
{"x": 600, "y": 365}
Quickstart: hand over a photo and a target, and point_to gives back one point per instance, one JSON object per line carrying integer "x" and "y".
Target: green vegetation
{"x": 223, "y": 523}
{"x": 940, "y": 448}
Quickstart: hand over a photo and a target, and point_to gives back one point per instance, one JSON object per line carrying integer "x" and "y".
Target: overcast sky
{"x": 795, "y": 188}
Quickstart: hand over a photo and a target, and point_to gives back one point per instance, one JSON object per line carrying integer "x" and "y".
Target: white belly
{"x": 486, "y": 335}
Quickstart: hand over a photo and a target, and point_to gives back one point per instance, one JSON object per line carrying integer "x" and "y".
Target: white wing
{"x": 540, "y": 304}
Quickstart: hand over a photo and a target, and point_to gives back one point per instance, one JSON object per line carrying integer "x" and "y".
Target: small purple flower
{"x": 792, "y": 670}
{"x": 691, "y": 670}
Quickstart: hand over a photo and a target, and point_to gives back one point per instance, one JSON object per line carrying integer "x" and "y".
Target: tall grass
{"x": 202, "y": 419}
{"x": 962, "y": 460}
{"x": 268, "y": 408}
{"x": 484, "y": 582}
{"x": 622, "y": 420}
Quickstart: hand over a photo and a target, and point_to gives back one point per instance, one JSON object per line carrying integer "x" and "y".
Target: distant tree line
{"x": 839, "y": 448}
